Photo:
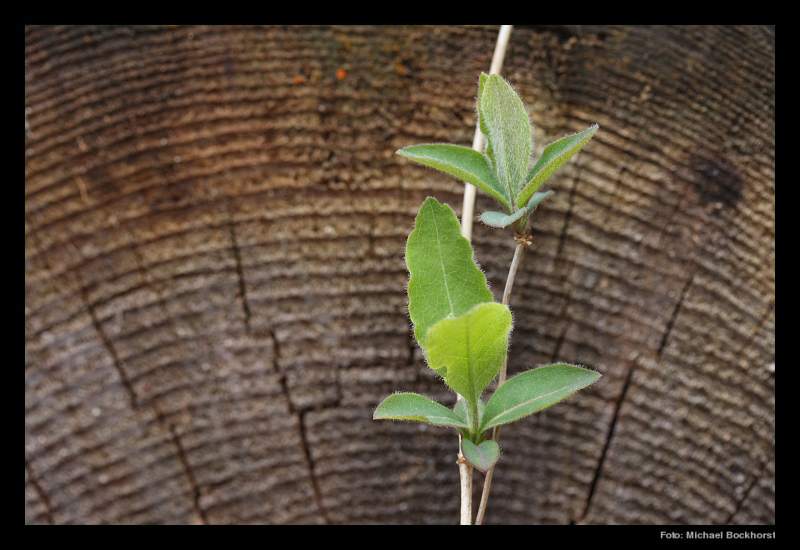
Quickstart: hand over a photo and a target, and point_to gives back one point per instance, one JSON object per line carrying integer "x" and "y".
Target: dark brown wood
{"x": 215, "y": 285}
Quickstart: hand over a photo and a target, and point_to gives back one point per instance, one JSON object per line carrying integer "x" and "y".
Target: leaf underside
{"x": 482, "y": 456}
{"x": 499, "y": 219}
{"x": 445, "y": 280}
{"x": 534, "y": 390}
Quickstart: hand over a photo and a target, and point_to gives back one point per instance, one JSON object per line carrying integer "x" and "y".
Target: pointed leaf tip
{"x": 504, "y": 120}
{"x": 553, "y": 157}
{"x": 534, "y": 390}
{"x": 416, "y": 408}
{"x": 461, "y": 162}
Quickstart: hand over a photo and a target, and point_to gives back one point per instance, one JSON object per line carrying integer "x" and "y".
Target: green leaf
{"x": 482, "y": 456}
{"x": 445, "y": 280}
{"x": 504, "y": 121}
{"x": 484, "y": 129}
{"x": 534, "y": 390}
{"x": 553, "y": 157}
{"x": 499, "y": 219}
{"x": 462, "y": 162}
{"x": 471, "y": 347}
{"x": 462, "y": 410}
{"x": 537, "y": 199}
{"x": 418, "y": 408}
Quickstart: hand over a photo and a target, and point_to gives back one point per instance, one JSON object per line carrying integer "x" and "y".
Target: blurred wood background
{"x": 215, "y": 283}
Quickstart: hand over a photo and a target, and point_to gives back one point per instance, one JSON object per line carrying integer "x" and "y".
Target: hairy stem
{"x": 465, "y": 474}
{"x": 467, "y": 212}
{"x": 487, "y": 482}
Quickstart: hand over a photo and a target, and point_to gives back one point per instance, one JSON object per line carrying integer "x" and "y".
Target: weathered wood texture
{"x": 215, "y": 285}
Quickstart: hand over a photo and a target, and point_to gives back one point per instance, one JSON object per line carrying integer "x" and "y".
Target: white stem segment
{"x": 467, "y": 213}
{"x": 468, "y": 210}
{"x": 465, "y": 473}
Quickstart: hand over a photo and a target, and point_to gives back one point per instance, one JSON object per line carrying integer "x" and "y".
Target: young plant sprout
{"x": 462, "y": 331}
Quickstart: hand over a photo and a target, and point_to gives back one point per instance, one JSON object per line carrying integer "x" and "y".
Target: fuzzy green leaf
{"x": 462, "y": 162}
{"x": 534, "y": 390}
{"x": 471, "y": 347}
{"x": 553, "y": 157}
{"x": 499, "y": 219}
{"x": 462, "y": 410}
{"x": 418, "y": 408}
{"x": 482, "y": 456}
{"x": 504, "y": 121}
{"x": 537, "y": 199}
{"x": 445, "y": 280}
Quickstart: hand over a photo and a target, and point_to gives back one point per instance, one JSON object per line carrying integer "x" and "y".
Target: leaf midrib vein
{"x": 441, "y": 262}
{"x": 506, "y": 412}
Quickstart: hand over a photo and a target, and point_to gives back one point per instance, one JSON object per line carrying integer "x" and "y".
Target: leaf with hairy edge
{"x": 537, "y": 199}
{"x": 482, "y": 456}
{"x": 462, "y": 162}
{"x": 445, "y": 280}
{"x": 553, "y": 157}
{"x": 499, "y": 219}
{"x": 462, "y": 411}
{"x": 534, "y": 390}
{"x": 504, "y": 121}
{"x": 417, "y": 408}
{"x": 471, "y": 347}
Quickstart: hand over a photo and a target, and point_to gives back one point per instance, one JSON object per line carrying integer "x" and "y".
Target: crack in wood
{"x": 237, "y": 255}
{"x": 300, "y": 414}
{"x": 301, "y": 417}
{"x": 150, "y": 282}
{"x": 740, "y": 502}
{"x": 623, "y": 394}
{"x": 411, "y": 361}
{"x": 566, "y": 287}
{"x": 41, "y": 493}
{"x": 567, "y": 218}
{"x": 563, "y": 333}
{"x": 187, "y": 469}
{"x": 671, "y": 321}
{"x": 607, "y": 444}
{"x": 109, "y": 346}
{"x": 134, "y": 400}
{"x": 371, "y": 238}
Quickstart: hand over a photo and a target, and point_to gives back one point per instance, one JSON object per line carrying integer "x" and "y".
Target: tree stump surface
{"x": 215, "y": 281}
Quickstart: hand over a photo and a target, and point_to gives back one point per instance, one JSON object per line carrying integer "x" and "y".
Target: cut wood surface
{"x": 215, "y": 283}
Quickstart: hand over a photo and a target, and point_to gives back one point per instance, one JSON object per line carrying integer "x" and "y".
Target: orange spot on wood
{"x": 341, "y": 74}
{"x": 400, "y": 69}
{"x": 298, "y": 79}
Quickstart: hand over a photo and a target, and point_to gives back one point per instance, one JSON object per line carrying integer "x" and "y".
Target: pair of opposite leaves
{"x": 464, "y": 335}
{"x": 502, "y": 172}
